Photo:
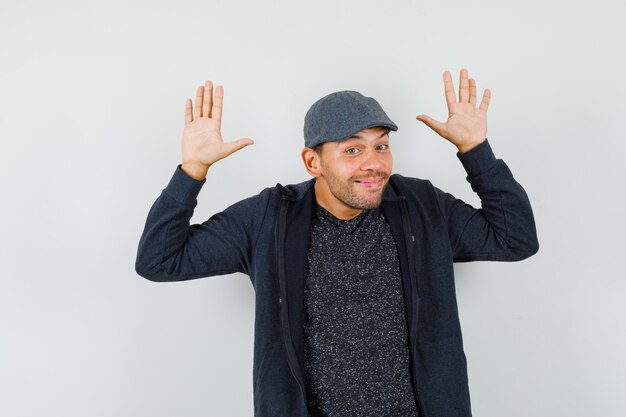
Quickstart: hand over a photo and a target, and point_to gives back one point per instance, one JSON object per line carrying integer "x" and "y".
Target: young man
{"x": 356, "y": 312}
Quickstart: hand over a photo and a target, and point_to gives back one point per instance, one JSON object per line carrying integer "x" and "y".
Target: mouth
{"x": 370, "y": 182}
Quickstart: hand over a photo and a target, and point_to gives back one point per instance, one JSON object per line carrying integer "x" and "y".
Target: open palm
{"x": 202, "y": 143}
{"x": 466, "y": 126}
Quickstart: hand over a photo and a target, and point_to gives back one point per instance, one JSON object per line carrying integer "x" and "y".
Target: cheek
{"x": 388, "y": 162}
{"x": 341, "y": 170}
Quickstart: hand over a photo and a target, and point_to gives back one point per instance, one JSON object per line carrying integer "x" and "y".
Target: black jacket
{"x": 266, "y": 237}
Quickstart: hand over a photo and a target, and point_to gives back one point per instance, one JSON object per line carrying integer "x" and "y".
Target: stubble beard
{"x": 346, "y": 192}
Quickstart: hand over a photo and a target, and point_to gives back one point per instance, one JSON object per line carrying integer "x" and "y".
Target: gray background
{"x": 91, "y": 115}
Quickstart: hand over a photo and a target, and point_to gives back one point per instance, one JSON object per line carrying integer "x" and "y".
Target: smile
{"x": 370, "y": 182}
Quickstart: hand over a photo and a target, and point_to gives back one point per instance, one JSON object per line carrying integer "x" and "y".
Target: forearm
{"x": 166, "y": 228}
{"x": 504, "y": 228}
{"x": 171, "y": 249}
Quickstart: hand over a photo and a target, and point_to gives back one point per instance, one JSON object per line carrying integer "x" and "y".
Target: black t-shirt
{"x": 356, "y": 353}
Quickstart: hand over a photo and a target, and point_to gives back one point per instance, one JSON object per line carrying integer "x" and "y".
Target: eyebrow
{"x": 357, "y": 136}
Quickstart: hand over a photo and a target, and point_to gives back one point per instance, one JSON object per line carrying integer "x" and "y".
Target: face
{"x": 354, "y": 172}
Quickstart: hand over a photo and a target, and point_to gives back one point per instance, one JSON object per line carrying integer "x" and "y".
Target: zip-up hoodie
{"x": 266, "y": 237}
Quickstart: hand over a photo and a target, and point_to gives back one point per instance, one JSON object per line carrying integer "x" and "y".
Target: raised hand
{"x": 202, "y": 143}
{"x": 466, "y": 126}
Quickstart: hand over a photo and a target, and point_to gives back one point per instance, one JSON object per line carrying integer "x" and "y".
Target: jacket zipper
{"x": 280, "y": 248}
{"x": 410, "y": 241}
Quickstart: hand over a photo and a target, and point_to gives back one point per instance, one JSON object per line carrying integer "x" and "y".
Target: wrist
{"x": 195, "y": 171}
{"x": 478, "y": 160}
{"x": 466, "y": 147}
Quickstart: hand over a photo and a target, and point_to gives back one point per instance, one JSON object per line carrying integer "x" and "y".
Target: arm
{"x": 504, "y": 228}
{"x": 172, "y": 250}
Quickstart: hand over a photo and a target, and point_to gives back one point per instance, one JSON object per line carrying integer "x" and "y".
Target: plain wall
{"x": 91, "y": 113}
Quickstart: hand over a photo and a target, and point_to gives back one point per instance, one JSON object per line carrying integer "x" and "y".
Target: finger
{"x": 449, "y": 89}
{"x": 472, "y": 91}
{"x": 463, "y": 87}
{"x": 432, "y": 123}
{"x": 188, "y": 115}
{"x": 232, "y": 147}
{"x": 217, "y": 105}
{"x": 197, "y": 111}
{"x": 484, "y": 103}
{"x": 208, "y": 99}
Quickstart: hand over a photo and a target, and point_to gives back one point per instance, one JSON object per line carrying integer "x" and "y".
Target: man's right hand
{"x": 202, "y": 143}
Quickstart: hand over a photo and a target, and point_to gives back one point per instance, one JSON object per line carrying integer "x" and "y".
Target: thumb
{"x": 236, "y": 145}
{"x": 432, "y": 123}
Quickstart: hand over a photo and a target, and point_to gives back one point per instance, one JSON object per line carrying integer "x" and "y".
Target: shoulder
{"x": 419, "y": 193}
{"x": 404, "y": 181}
{"x": 410, "y": 185}
{"x": 296, "y": 191}
{"x": 272, "y": 196}
{"x": 416, "y": 191}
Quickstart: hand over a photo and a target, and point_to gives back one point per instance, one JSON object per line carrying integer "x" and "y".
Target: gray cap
{"x": 340, "y": 115}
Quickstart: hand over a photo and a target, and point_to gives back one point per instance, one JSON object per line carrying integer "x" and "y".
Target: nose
{"x": 373, "y": 161}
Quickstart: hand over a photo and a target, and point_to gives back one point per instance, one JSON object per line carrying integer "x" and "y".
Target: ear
{"x": 311, "y": 162}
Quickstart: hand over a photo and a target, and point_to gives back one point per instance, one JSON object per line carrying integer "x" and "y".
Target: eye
{"x": 352, "y": 151}
{"x": 383, "y": 147}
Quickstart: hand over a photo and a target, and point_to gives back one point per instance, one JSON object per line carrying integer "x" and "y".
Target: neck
{"x": 324, "y": 198}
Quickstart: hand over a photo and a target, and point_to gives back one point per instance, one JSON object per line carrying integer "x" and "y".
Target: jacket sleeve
{"x": 170, "y": 249}
{"x": 504, "y": 228}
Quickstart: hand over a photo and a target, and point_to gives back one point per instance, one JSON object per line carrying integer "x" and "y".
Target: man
{"x": 355, "y": 310}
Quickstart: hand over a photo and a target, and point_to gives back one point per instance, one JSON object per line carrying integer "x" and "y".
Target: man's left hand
{"x": 466, "y": 126}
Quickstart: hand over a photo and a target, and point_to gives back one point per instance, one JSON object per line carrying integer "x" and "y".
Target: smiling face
{"x": 351, "y": 175}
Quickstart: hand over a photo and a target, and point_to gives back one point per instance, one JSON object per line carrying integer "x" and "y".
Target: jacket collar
{"x": 295, "y": 192}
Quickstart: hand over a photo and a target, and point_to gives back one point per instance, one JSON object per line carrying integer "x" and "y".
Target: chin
{"x": 369, "y": 203}
{"x": 365, "y": 200}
